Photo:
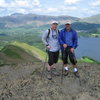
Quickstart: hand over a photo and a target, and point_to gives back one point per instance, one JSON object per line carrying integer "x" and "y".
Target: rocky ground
{"x": 23, "y": 82}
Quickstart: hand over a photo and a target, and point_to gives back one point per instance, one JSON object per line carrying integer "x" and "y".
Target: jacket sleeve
{"x": 44, "y": 38}
{"x": 75, "y": 41}
{"x": 60, "y": 38}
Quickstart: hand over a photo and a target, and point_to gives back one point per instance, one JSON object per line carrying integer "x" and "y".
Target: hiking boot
{"x": 66, "y": 72}
{"x": 49, "y": 75}
{"x": 76, "y": 74}
{"x": 54, "y": 72}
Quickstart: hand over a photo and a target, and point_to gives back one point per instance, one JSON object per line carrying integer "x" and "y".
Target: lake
{"x": 89, "y": 46}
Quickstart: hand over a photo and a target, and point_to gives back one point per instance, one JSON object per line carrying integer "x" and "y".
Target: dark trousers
{"x": 68, "y": 54}
{"x": 53, "y": 57}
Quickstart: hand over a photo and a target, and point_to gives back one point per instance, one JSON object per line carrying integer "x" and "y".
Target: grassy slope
{"x": 13, "y": 53}
{"x": 88, "y": 60}
{"x": 31, "y": 49}
{"x": 41, "y": 55}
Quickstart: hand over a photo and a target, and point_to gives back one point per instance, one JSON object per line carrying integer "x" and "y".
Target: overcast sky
{"x": 76, "y": 8}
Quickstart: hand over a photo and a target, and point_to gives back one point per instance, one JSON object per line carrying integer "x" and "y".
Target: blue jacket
{"x": 69, "y": 38}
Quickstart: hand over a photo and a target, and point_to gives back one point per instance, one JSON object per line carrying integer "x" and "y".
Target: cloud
{"x": 36, "y": 2}
{"x": 69, "y": 2}
{"x": 20, "y": 3}
{"x": 20, "y": 6}
{"x": 89, "y": 11}
{"x": 52, "y": 9}
{"x": 21, "y": 10}
{"x": 96, "y": 3}
{"x": 69, "y": 8}
{"x": 2, "y": 3}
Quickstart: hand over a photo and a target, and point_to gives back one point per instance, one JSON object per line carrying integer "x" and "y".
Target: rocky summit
{"x": 27, "y": 81}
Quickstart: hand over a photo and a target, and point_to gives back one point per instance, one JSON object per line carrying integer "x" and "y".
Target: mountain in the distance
{"x": 85, "y": 27}
{"x": 18, "y": 19}
{"x": 90, "y": 24}
{"x": 16, "y": 14}
{"x": 92, "y": 19}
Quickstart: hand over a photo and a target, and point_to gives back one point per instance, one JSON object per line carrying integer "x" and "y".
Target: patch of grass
{"x": 1, "y": 47}
{"x": 31, "y": 49}
{"x": 1, "y": 63}
{"x": 12, "y": 53}
{"x": 88, "y": 60}
{"x": 95, "y": 35}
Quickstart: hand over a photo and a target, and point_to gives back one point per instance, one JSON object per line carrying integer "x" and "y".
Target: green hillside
{"x": 17, "y": 52}
{"x": 31, "y": 49}
{"x": 41, "y": 55}
{"x": 20, "y": 53}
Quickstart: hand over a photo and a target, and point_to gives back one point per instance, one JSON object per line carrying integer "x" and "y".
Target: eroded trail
{"x": 23, "y": 82}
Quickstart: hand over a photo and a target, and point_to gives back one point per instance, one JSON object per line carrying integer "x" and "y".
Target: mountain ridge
{"x": 92, "y": 19}
{"x": 22, "y": 19}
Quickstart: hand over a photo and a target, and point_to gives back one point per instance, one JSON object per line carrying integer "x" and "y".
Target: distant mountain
{"x": 16, "y": 14}
{"x": 86, "y": 27}
{"x": 2, "y": 25}
{"x": 18, "y": 19}
{"x": 92, "y": 19}
{"x": 90, "y": 24}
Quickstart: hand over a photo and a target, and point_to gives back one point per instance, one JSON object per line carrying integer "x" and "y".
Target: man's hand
{"x": 72, "y": 50}
{"x": 48, "y": 47}
{"x": 65, "y": 45}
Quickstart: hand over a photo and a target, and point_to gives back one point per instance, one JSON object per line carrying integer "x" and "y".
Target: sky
{"x": 75, "y": 8}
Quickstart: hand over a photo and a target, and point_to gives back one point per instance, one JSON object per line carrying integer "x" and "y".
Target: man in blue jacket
{"x": 69, "y": 41}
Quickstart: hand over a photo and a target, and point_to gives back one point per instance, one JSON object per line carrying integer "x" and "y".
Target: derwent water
{"x": 89, "y": 46}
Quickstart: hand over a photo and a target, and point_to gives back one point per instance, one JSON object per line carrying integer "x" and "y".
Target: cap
{"x": 68, "y": 22}
{"x": 54, "y": 22}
